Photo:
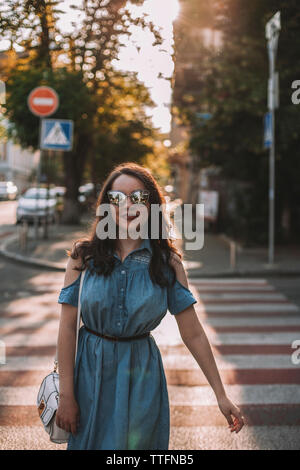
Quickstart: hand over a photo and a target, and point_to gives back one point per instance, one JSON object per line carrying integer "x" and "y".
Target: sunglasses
{"x": 139, "y": 196}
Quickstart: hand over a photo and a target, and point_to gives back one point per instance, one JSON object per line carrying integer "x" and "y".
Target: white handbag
{"x": 48, "y": 395}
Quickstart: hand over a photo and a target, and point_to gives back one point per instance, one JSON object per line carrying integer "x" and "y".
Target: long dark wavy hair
{"x": 101, "y": 250}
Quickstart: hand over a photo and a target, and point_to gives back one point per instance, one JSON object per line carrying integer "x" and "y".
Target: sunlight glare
{"x": 175, "y": 9}
{"x": 165, "y": 11}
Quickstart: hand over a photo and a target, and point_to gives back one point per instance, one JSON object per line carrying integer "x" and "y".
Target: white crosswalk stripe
{"x": 258, "y": 374}
{"x": 251, "y": 342}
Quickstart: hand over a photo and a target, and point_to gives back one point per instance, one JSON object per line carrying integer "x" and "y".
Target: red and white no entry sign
{"x": 43, "y": 101}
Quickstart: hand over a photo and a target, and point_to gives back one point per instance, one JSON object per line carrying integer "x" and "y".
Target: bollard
{"x": 23, "y": 235}
{"x": 26, "y": 227}
{"x": 36, "y": 227}
{"x": 20, "y": 233}
{"x": 45, "y": 227}
{"x": 232, "y": 254}
{"x": 2, "y": 353}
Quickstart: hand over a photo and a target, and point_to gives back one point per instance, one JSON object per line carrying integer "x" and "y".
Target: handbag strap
{"x": 77, "y": 321}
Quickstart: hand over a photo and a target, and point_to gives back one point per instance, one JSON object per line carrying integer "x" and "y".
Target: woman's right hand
{"x": 68, "y": 414}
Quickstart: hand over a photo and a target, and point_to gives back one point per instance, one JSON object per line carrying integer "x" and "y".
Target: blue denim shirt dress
{"x": 121, "y": 387}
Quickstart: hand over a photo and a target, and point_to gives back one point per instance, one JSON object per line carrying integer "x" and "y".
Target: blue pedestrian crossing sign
{"x": 56, "y": 134}
{"x": 268, "y": 135}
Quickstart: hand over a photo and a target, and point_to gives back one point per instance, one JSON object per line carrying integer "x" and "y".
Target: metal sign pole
{"x": 39, "y": 169}
{"x": 47, "y": 197}
{"x": 271, "y": 163}
{"x": 42, "y": 101}
{"x": 272, "y": 34}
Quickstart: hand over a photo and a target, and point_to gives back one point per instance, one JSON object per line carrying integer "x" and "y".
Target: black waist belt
{"x": 117, "y": 338}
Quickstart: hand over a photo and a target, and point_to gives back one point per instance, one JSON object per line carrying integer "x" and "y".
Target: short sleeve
{"x": 69, "y": 294}
{"x": 179, "y": 298}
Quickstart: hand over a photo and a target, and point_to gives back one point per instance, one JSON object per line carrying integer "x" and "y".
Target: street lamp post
{"x": 272, "y": 34}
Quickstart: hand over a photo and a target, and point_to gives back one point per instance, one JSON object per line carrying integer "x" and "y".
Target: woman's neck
{"x": 126, "y": 245}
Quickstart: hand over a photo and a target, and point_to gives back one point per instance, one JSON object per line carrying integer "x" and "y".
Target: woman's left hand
{"x": 228, "y": 409}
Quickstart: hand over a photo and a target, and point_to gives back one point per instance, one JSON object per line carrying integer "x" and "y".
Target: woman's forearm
{"x": 66, "y": 353}
{"x": 200, "y": 348}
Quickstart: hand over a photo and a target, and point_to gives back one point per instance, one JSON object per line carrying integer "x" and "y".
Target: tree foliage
{"x": 233, "y": 88}
{"x": 107, "y": 106}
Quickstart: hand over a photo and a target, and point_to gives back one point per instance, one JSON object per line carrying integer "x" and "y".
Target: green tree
{"x": 233, "y": 87}
{"x": 107, "y": 107}
{"x": 31, "y": 25}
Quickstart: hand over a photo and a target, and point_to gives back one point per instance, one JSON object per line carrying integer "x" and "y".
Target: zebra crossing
{"x": 28, "y": 326}
{"x": 251, "y": 328}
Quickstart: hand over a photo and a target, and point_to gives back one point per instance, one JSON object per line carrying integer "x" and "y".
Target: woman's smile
{"x": 129, "y": 217}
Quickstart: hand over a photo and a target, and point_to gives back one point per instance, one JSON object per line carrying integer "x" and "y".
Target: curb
{"x": 192, "y": 273}
{"x": 225, "y": 238}
{"x": 34, "y": 262}
{"x": 236, "y": 272}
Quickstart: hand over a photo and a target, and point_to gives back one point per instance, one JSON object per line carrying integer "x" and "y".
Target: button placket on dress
{"x": 110, "y": 372}
{"x": 121, "y": 299}
{"x": 122, "y": 295}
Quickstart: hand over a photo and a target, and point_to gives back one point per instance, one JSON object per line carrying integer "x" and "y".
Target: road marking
{"x": 252, "y": 321}
{"x": 28, "y": 363}
{"x": 231, "y": 281}
{"x": 224, "y": 296}
{"x": 232, "y": 362}
{"x": 248, "y": 307}
{"x": 253, "y": 338}
{"x": 283, "y": 414}
{"x": 170, "y": 361}
{"x": 255, "y": 367}
{"x": 44, "y": 338}
{"x": 207, "y": 437}
{"x": 241, "y": 395}
{"x": 183, "y": 395}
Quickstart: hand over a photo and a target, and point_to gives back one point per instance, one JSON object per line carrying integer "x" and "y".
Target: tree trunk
{"x": 44, "y": 49}
{"x": 71, "y": 212}
{"x": 286, "y": 223}
{"x": 193, "y": 195}
{"x": 73, "y": 169}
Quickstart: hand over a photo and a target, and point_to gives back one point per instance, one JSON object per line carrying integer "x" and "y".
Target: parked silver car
{"x": 8, "y": 190}
{"x": 35, "y": 204}
{"x": 85, "y": 192}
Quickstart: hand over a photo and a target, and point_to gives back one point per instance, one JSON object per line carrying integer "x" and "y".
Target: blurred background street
{"x": 251, "y": 323}
{"x": 190, "y": 89}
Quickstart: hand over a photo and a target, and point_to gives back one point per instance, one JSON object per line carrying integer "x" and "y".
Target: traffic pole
{"x": 47, "y": 196}
{"x": 42, "y": 101}
{"x": 272, "y": 166}
{"x": 272, "y": 34}
{"x": 39, "y": 170}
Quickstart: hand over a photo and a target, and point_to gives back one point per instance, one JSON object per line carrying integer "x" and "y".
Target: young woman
{"x": 116, "y": 397}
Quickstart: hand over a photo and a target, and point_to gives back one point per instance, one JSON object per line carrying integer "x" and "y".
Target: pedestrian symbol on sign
{"x": 57, "y": 134}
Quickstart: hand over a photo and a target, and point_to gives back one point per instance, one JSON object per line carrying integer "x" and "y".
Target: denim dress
{"x": 120, "y": 387}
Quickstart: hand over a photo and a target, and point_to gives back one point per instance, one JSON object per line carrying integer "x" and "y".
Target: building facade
{"x": 193, "y": 32}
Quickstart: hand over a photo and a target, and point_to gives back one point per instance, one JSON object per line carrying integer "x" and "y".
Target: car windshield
{"x": 34, "y": 193}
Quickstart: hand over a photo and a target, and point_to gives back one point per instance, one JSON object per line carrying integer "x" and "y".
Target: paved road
{"x": 250, "y": 325}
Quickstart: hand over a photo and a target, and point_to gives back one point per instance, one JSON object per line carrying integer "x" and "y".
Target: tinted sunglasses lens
{"x": 116, "y": 197}
{"x": 140, "y": 197}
